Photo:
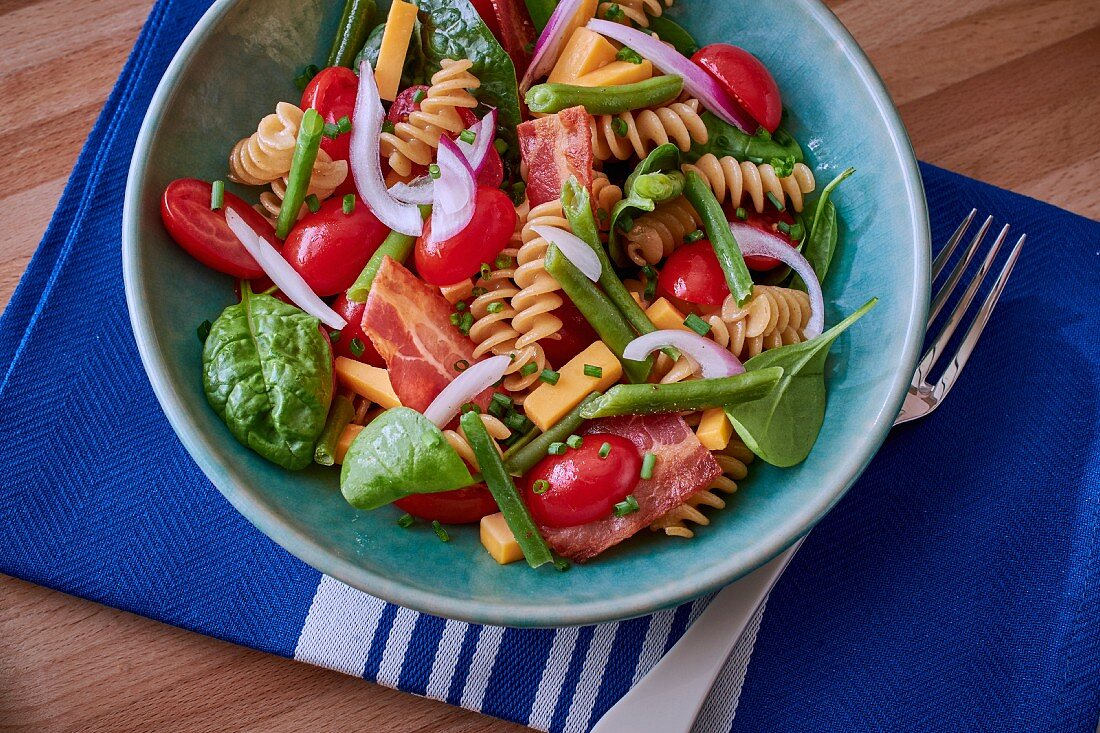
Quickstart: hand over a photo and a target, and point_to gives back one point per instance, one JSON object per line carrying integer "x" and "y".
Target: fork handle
{"x": 668, "y": 699}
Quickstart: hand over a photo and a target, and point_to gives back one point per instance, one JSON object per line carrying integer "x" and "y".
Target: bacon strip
{"x": 554, "y": 148}
{"x": 683, "y": 467}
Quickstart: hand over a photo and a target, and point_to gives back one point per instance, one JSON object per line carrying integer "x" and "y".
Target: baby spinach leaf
{"x": 399, "y": 453}
{"x": 664, "y": 159}
{"x": 822, "y": 237}
{"x": 672, "y": 32}
{"x": 540, "y": 11}
{"x": 267, "y": 372}
{"x": 413, "y": 73}
{"x": 452, "y": 29}
{"x": 723, "y": 139}
{"x": 782, "y": 427}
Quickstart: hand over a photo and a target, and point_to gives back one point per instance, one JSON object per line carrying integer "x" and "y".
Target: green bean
{"x": 724, "y": 139}
{"x": 353, "y": 32}
{"x": 551, "y": 98}
{"x": 526, "y": 458}
{"x": 395, "y": 245}
{"x": 698, "y": 193}
{"x": 695, "y": 394}
{"x": 519, "y": 445}
{"x": 660, "y": 187}
{"x": 598, "y": 310}
{"x": 339, "y": 416}
{"x": 301, "y": 170}
{"x": 504, "y": 492}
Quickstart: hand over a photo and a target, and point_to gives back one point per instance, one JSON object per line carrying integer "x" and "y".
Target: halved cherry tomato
{"x": 692, "y": 274}
{"x": 353, "y": 314}
{"x": 768, "y": 222}
{"x": 461, "y": 256}
{"x": 576, "y": 334}
{"x": 461, "y": 506}
{"x": 203, "y": 233}
{"x": 329, "y": 248}
{"x": 583, "y": 487}
{"x": 746, "y": 79}
{"x": 332, "y": 93}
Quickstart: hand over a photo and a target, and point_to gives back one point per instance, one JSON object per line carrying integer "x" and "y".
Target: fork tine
{"x": 952, "y": 243}
{"x": 953, "y": 280}
{"x": 933, "y": 354}
{"x": 974, "y": 332}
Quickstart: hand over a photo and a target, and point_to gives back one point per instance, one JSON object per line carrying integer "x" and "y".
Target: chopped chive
{"x": 796, "y": 231}
{"x": 501, "y": 146}
{"x": 540, "y": 486}
{"x": 356, "y": 347}
{"x": 629, "y": 55}
{"x": 741, "y": 213}
{"x": 502, "y": 261}
{"x": 203, "y": 331}
{"x": 349, "y": 203}
{"x": 331, "y": 130}
{"x": 574, "y": 441}
{"x": 697, "y": 324}
{"x": 405, "y": 521}
{"x": 454, "y": 319}
{"x": 549, "y": 376}
{"x": 419, "y": 95}
{"x": 776, "y": 202}
{"x": 440, "y": 532}
{"x": 461, "y": 365}
{"x": 469, "y": 407}
{"x": 629, "y": 505}
{"x": 614, "y": 13}
{"x": 556, "y": 449}
{"x": 465, "y": 322}
{"x": 217, "y": 195}
{"x": 512, "y": 439}
{"x": 344, "y": 123}
{"x": 512, "y": 357}
{"x": 694, "y": 236}
{"x": 479, "y": 291}
{"x": 433, "y": 170}
{"x": 619, "y": 127}
{"x": 529, "y": 368}
{"x": 650, "y": 282}
{"x": 495, "y": 307}
{"x": 519, "y": 192}
{"x": 334, "y": 336}
{"x": 503, "y": 400}
{"x": 649, "y": 460}
{"x": 460, "y": 306}
{"x": 388, "y": 127}
{"x": 784, "y": 228}
{"x": 517, "y": 422}
{"x": 467, "y": 136}
{"x": 590, "y": 370}
{"x": 562, "y": 565}
{"x": 485, "y": 271}
{"x": 605, "y": 450}
{"x": 305, "y": 77}
{"x": 313, "y": 203}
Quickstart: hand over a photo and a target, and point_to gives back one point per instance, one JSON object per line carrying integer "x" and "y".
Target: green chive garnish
{"x": 697, "y": 324}
{"x": 495, "y": 307}
{"x": 405, "y": 521}
{"x": 502, "y": 261}
{"x": 629, "y": 55}
{"x": 419, "y": 95}
{"x": 203, "y": 331}
{"x": 776, "y": 202}
{"x": 574, "y": 441}
{"x": 465, "y": 322}
{"x": 356, "y": 347}
{"x": 470, "y": 407}
{"x": 479, "y": 291}
{"x": 605, "y": 450}
{"x": 549, "y": 376}
{"x": 629, "y": 505}
{"x": 433, "y": 170}
{"x": 694, "y": 236}
{"x": 387, "y": 126}
{"x": 440, "y": 532}
{"x": 454, "y": 319}
{"x": 591, "y": 370}
{"x": 619, "y": 127}
{"x": 741, "y": 213}
{"x": 467, "y": 136}
{"x": 217, "y": 195}
{"x": 503, "y": 400}
{"x": 303, "y": 79}
{"x": 485, "y": 271}
{"x": 517, "y": 422}
{"x": 556, "y": 449}
{"x": 650, "y": 282}
{"x": 461, "y": 365}
{"x": 784, "y": 228}
{"x": 649, "y": 460}
{"x": 331, "y": 130}
{"x": 614, "y": 12}
{"x": 501, "y": 146}
{"x": 313, "y": 203}
{"x": 529, "y": 368}
{"x": 349, "y": 203}
{"x": 334, "y": 336}
{"x": 540, "y": 487}
{"x": 460, "y": 306}
{"x": 344, "y": 123}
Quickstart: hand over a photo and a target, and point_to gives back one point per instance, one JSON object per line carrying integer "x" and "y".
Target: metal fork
{"x": 669, "y": 697}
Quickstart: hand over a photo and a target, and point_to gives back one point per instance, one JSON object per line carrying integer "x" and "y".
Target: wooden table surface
{"x": 1003, "y": 90}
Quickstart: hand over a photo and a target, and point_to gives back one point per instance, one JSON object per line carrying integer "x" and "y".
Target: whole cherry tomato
{"x": 582, "y": 487}
{"x": 461, "y": 506}
{"x": 461, "y": 256}
{"x": 203, "y": 232}
{"x": 332, "y": 93}
{"x": 353, "y": 314}
{"x": 576, "y": 334}
{"x": 746, "y": 79}
{"x": 769, "y": 222}
{"x": 329, "y": 248}
{"x": 692, "y": 274}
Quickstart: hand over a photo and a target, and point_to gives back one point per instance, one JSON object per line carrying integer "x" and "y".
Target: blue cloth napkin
{"x": 956, "y": 587}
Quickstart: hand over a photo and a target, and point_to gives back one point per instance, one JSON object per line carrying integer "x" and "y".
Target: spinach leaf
{"x": 778, "y": 148}
{"x": 672, "y": 32}
{"x": 822, "y": 237}
{"x": 782, "y": 427}
{"x": 399, "y": 453}
{"x": 452, "y": 29}
{"x": 267, "y": 372}
{"x": 414, "y": 72}
{"x": 540, "y": 11}
{"x": 664, "y": 159}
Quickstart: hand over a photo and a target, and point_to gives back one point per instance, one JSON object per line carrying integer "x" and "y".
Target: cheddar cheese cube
{"x": 394, "y": 46}
{"x": 351, "y": 432}
{"x": 497, "y": 538}
{"x": 585, "y": 51}
{"x": 367, "y": 381}
{"x": 550, "y": 402}
{"x": 714, "y": 430}
{"x": 616, "y": 74}
{"x": 665, "y": 315}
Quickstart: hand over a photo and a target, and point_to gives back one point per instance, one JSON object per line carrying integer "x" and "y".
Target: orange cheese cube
{"x": 616, "y": 74}
{"x": 665, "y": 315}
{"x": 714, "y": 430}
{"x": 351, "y": 432}
{"x": 584, "y": 52}
{"x": 550, "y": 402}
{"x": 497, "y": 538}
{"x": 367, "y": 381}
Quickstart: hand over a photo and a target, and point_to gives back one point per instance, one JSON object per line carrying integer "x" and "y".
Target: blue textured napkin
{"x": 956, "y": 587}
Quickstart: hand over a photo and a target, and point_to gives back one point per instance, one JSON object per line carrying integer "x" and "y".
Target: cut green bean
{"x": 339, "y": 416}
{"x": 301, "y": 170}
{"x": 354, "y": 28}
{"x": 608, "y": 322}
{"x": 552, "y": 98}
{"x": 524, "y": 459}
{"x": 519, "y": 446}
{"x": 700, "y": 196}
{"x": 395, "y": 245}
{"x": 696, "y": 394}
{"x": 505, "y": 493}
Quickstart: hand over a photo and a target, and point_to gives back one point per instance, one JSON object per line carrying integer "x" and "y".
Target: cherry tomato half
{"x": 353, "y": 314}
{"x": 746, "y": 79}
{"x": 203, "y": 233}
{"x": 583, "y": 487}
{"x": 332, "y": 93}
{"x": 768, "y": 222}
{"x": 576, "y": 335}
{"x": 461, "y": 506}
{"x": 461, "y": 256}
{"x": 329, "y": 248}
{"x": 692, "y": 274}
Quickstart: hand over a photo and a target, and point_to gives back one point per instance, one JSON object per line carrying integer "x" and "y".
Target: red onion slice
{"x": 282, "y": 273}
{"x": 550, "y": 42}
{"x": 574, "y": 249}
{"x": 697, "y": 81}
{"x": 483, "y": 131}
{"x": 466, "y": 386}
{"x": 713, "y": 360}
{"x": 365, "y": 160}
{"x": 756, "y": 242}
{"x": 420, "y": 191}
{"x": 454, "y": 192}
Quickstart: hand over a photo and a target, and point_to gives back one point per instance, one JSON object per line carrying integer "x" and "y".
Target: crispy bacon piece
{"x": 683, "y": 467}
{"x": 408, "y": 321}
{"x": 554, "y": 148}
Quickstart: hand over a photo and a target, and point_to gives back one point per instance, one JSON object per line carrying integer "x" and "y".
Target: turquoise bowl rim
{"x": 249, "y": 501}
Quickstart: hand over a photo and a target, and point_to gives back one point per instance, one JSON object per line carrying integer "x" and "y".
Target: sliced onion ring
{"x": 454, "y": 191}
{"x": 466, "y": 386}
{"x": 282, "y": 273}
{"x": 713, "y": 360}
{"x": 476, "y": 152}
{"x": 365, "y": 160}
{"x": 419, "y": 191}
{"x": 551, "y": 40}
{"x": 574, "y": 249}
{"x": 756, "y": 242}
{"x": 697, "y": 81}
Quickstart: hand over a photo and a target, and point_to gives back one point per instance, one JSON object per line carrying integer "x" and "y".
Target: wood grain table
{"x": 1003, "y": 90}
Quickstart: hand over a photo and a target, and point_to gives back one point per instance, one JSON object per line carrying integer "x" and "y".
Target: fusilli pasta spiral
{"x": 655, "y": 235}
{"x": 605, "y": 195}
{"x": 678, "y": 122}
{"x": 733, "y": 460}
{"x": 266, "y": 154}
{"x": 496, "y": 429}
{"x": 733, "y": 181}
{"x": 772, "y": 317}
{"x": 538, "y": 296}
{"x": 637, "y": 11}
{"x": 415, "y": 140}
{"x": 327, "y": 175}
